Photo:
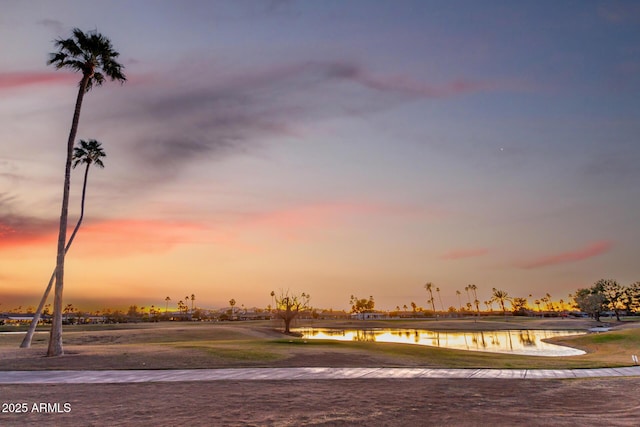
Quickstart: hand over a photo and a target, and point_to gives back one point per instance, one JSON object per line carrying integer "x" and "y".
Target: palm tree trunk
{"x": 26, "y": 342}
{"x": 55, "y": 338}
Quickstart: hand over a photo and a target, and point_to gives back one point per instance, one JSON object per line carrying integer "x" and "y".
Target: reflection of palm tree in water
{"x": 526, "y": 339}
{"x": 364, "y": 336}
{"x": 495, "y": 340}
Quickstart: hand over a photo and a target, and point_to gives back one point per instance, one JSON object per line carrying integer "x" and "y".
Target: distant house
{"x": 376, "y": 315}
{"x": 332, "y": 314}
{"x": 21, "y": 318}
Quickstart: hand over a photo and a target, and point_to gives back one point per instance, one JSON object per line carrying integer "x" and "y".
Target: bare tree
{"x": 289, "y": 306}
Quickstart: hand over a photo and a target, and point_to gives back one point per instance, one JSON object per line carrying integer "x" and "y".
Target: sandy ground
{"x": 451, "y": 402}
{"x": 371, "y": 402}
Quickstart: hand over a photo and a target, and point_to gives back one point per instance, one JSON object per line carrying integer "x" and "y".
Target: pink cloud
{"x": 290, "y": 222}
{"x": 464, "y": 253}
{"x": 590, "y": 251}
{"x": 297, "y": 221}
{"x": 315, "y": 72}
{"x": 25, "y": 233}
{"x": 118, "y": 236}
{"x": 138, "y": 236}
{"x": 16, "y": 80}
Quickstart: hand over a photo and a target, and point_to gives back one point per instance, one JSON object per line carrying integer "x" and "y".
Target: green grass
{"x": 241, "y": 352}
{"x": 237, "y": 344}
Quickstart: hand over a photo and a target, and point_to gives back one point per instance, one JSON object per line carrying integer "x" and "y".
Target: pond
{"x": 523, "y": 342}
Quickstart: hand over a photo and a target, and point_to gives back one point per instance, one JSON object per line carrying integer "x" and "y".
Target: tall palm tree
{"x": 459, "y": 302}
{"x": 91, "y": 54}
{"x": 166, "y": 307}
{"x": 87, "y": 152}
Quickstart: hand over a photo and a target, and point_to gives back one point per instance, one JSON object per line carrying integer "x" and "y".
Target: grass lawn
{"x": 258, "y": 344}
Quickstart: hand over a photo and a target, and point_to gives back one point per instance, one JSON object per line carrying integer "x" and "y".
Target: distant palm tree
{"x": 166, "y": 307}
{"x": 440, "y": 299}
{"x": 474, "y": 288}
{"x": 467, "y": 288}
{"x": 429, "y": 286}
{"x": 87, "y": 152}
{"x": 93, "y": 55}
{"x": 458, "y": 293}
{"x": 273, "y": 300}
{"x": 501, "y": 297}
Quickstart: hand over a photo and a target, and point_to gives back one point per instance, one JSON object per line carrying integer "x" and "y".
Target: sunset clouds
{"x": 346, "y": 148}
{"x": 25, "y": 79}
{"x": 464, "y": 253}
{"x": 592, "y": 250}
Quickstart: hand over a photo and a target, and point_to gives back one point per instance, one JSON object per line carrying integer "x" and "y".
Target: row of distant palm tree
{"x": 498, "y": 296}
{"x": 182, "y": 305}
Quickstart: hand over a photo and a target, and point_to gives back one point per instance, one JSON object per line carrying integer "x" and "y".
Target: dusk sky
{"x": 331, "y": 147}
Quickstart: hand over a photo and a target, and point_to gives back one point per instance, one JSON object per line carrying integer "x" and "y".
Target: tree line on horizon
{"x": 605, "y": 296}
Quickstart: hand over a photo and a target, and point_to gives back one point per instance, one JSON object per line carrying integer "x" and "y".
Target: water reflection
{"x": 527, "y": 342}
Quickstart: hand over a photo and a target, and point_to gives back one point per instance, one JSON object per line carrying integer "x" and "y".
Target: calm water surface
{"x": 515, "y": 342}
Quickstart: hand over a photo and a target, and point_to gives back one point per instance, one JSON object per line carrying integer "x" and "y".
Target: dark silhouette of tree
{"x": 232, "y": 303}
{"x": 519, "y": 305}
{"x": 166, "y": 307}
{"x": 631, "y": 299}
{"x": 429, "y": 286}
{"x": 474, "y": 288}
{"x": 289, "y": 306}
{"x": 91, "y": 54}
{"x": 591, "y": 301}
{"x": 87, "y": 152}
{"x": 501, "y": 297}
{"x": 363, "y": 305}
{"x": 467, "y": 288}
{"x": 440, "y": 299}
{"x": 614, "y": 295}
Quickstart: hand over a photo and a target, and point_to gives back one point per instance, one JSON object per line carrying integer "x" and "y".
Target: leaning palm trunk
{"x": 93, "y": 55}
{"x": 55, "y": 338}
{"x": 26, "y": 342}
